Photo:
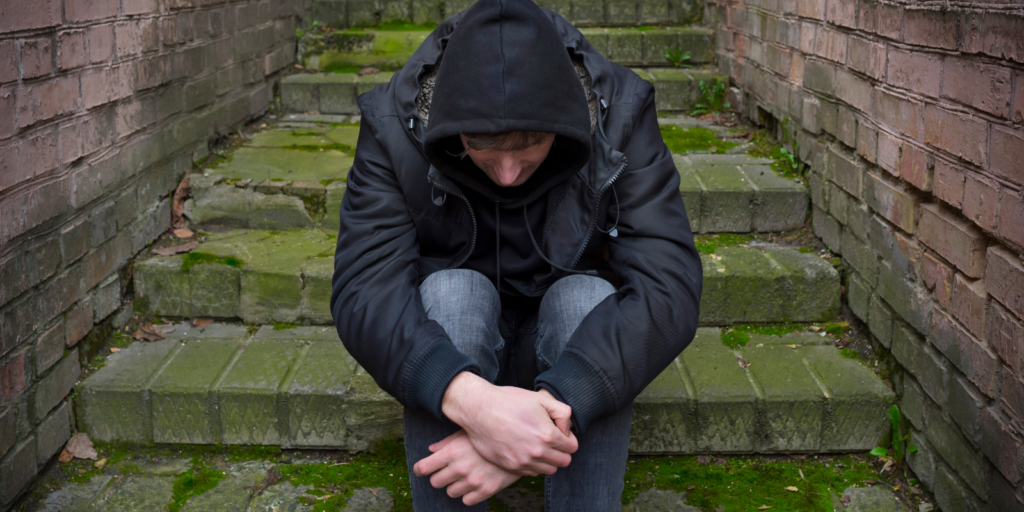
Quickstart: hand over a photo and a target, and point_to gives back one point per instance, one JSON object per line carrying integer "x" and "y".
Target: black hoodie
{"x": 397, "y": 227}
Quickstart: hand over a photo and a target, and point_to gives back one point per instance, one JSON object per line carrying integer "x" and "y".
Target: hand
{"x": 524, "y": 432}
{"x": 457, "y": 465}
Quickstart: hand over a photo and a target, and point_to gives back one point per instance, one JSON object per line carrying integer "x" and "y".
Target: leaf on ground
{"x": 814, "y": 328}
{"x": 792, "y": 489}
{"x": 765, "y": 507}
{"x": 65, "y": 456}
{"x": 178, "y": 204}
{"x": 114, "y": 350}
{"x": 703, "y": 459}
{"x": 171, "y": 250}
{"x": 794, "y": 346}
{"x": 201, "y": 322}
{"x": 326, "y": 497}
{"x": 80, "y": 446}
{"x": 742, "y": 362}
{"x": 887, "y": 466}
{"x": 183, "y": 233}
{"x": 801, "y": 474}
{"x": 845, "y": 500}
{"x": 149, "y": 332}
{"x": 368, "y": 71}
{"x": 100, "y": 463}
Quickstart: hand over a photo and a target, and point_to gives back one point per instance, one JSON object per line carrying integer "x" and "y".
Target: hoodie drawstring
{"x": 497, "y": 237}
{"x": 536, "y": 247}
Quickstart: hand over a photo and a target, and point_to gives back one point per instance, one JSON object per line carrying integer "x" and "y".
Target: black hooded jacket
{"x": 412, "y": 206}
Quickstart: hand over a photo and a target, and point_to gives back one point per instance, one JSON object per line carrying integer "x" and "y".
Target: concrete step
{"x": 677, "y": 89}
{"x": 285, "y": 276}
{"x": 353, "y": 49}
{"x": 298, "y": 387}
{"x": 582, "y": 13}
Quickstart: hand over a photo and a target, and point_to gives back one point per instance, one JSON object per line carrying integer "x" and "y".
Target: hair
{"x": 502, "y": 141}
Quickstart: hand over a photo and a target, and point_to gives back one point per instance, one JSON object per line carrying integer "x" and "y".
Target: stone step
{"x": 582, "y": 13}
{"x": 677, "y": 89}
{"x": 299, "y": 387}
{"x": 285, "y": 276}
{"x": 353, "y": 49}
{"x": 293, "y": 177}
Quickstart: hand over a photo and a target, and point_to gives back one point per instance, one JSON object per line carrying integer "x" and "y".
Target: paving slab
{"x": 234, "y": 492}
{"x": 726, "y": 398}
{"x": 366, "y": 500}
{"x": 249, "y": 398}
{"x": 137, "y": 493}
{"x": 794, "y": 403}
{"x": 659, "y": 500}
{"x": 76, "y": 497}
{"x": 280, "y": 497}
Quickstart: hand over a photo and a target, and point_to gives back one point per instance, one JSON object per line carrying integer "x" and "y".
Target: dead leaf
{"x": 178, "y": 204}
{"x": 171, "y": 250}
{"x": 149, "y": 332}
{"x": 690, "y": 488}
{"x": 114, "y": 350}
{"x": 100, "y": 463}
{"x": 765, "y": 507}
{"x": 792, "y": 489}
{"x": 869, "y": 482}
{"x": 183, "y": 233}
{"x": 373, "y": 491}
{"x": 201, "y": 322}
{"x": 368, "y": 71}
{"x": 792, "y": 346}
{"x": 703, "y": 459}
{"x": 742, "y": 362}
{"x": 65, "y": 456}
{"x": 845, "y": 500}
{"x": 887, "y": 466}
{"x": 814, "y": 328}
{"x": 326, "y": 497}
{"x": 80, "y": 446}
{"x": 299, "y": 66}
{"x": 801, "y": 474}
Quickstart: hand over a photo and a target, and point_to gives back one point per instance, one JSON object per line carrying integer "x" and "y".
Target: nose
{"x": 507, "y": 169}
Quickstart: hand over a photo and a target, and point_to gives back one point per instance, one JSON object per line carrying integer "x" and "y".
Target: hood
{"x": 505, "y": 68}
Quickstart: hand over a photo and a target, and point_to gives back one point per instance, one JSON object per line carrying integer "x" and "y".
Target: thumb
{"x": 559, "y": 412}
{"x": 444, "y": 442}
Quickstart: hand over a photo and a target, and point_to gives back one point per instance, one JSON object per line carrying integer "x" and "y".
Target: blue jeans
{"x": 513, "y": 343}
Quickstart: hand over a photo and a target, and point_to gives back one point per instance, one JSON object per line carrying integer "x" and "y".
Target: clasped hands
{"x": 507, "y": 433}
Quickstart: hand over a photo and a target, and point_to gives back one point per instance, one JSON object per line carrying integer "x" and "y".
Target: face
{"x": 510, "y": 168}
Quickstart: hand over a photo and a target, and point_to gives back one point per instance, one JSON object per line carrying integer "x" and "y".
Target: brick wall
{"x": 910, "y": 115}
{"x": 104, "y": 104}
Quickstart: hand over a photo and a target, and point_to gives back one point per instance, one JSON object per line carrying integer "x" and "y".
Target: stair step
{"x": 285, "y": 276}
{"x": 582, "y": 13}
{"x": 299, "y": 387}
{"x": 335, "y": 93}
{"x": 351, "y": 50}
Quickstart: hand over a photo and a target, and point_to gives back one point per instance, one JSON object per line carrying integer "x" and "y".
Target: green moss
{"x": 344, "y": 148}
{"x": 385, "y": 468}
{"x": 341, "y": 67}
{"x": 193, "y": 482}
{"x": 283, "y": 326}
{"x": 735, "y": 339}
{"x": 708, "y": 244}
{"x": 805, "y": 250}
{"x": 683, "y": 140}
{"x": 836, "y": 262}
{"x": 739, "y": 335}
{"x": 332, "y": 180}
{"x": 246, "y": 453}
{"x": 849, "y": 353}
{"x": 200, "y": 258}
{"x": 837, "y": 329}
{"x": 405, "y": 26}
{"x": 784, "y": 162}
{"x": 749, "y": 483}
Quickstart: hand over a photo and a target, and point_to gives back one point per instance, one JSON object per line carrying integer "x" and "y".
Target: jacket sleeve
{"x": 375, "y": 299}
{"x": 634, "y": 334}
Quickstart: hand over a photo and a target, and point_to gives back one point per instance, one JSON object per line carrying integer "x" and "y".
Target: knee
{"x": 580, "y": 293}
{"x": 563, "y": 308}
{"x": 459, "y": 292}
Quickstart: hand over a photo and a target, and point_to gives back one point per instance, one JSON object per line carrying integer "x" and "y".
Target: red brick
{"x": 71, "y": 49}
{"x": 78, "y": 321}
{"x": 18, "y": 15}
{"x": 1005, "y": 278}
{"x": 971, "y": 356}
{"x": 846, "y": 172}
{"x": 889, "y": 152}
{"x": 982, "y": 86}
{"x": 981, "y": 201}
{"x": 843, "y": 14}
{"x": 917, "y": 167}
{"x": 891, "y": 202}
{"x": 26, "y": 158}
{"x": 808, "y": 31}
{"x": 8, "y": 61}
{"x": 1011, "y": 217}
{"x": 1016, "y": 108}
{"x": 937, "y": 277}
{"x": 107, "y": 84}
{"x": 88, "y": 10}
{"x": 1001, "y": 445}
{"x": 959, "y": 241}
{"x": 796, "y": 70}
{"x": 854, "y": 90}
{"x": 866, "y": 56}
{"x": 149, "y": 35}
{"x": 916, "y": 71}
{"x": 902, "y": 115}
{"x": 12, "y": 376}
{"x": 949, "y": 182}
{"x": 49, "y": 348}
{"x": 1013, "y": 394}
{"x": 959, "y": 134}
{"x": 995, "y": 34}
{"x": 967, "y": 304}
{"x": 49, "y": 200}
{"x": 131, "y": 7}
{"x": 1006, "y": 335}
{"x": 934, "y": 29}
{"x": 42, "y": 101}
{"x": 1008, "y": 154}
{"x": 846, "y": 127}
{"x": 127, "y": 37}
{"x": 831, "y": 44}
{"x": 8, "y": 113}
{"x": 867, "y": 141}
{"x": 101, "y": 43}
{"x": 36, "y": 58}
{"x": 879, "y": 18}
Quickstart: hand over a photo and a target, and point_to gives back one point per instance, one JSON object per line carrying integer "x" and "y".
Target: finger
{"x": 446, "y": 477}
{"x": 564, "y": 425}
{"x": 458, "y": 488}
{"x": 444, "y": 442}
{"x": 431, "y": 464}
{"x": 545, "y": 468}
{"x": 566, "y": 444}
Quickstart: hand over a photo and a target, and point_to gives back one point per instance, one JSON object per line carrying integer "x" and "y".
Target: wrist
{"x": 453, "y": 404}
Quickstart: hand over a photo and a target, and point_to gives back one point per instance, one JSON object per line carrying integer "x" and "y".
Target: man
{"x": 514, "y": 262}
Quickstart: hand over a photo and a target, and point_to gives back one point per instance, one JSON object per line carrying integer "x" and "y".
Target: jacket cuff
{"x": 429, "y": 377}
{"x": 575, "y": 383}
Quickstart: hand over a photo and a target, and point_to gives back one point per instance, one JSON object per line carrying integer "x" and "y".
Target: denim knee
{"x": 466, "y": 304}
{"x": 562, "y": 310}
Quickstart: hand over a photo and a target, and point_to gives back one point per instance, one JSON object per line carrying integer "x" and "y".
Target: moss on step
{"x": 738, "y": 336}
{"x": 708, "y": 244}
{"x": 193, "y": 482}
{"x": 333, "y": 484}
{"x": 784, "y": 161}
{"x": 199, "y": 258}
{"x": 682, "y": 140}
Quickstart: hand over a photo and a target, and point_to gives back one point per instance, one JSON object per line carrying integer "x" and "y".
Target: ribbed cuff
{"x": 574, "y": 382}
{"x": 433, "y": 371}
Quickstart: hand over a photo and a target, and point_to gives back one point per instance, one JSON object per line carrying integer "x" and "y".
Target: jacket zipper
{"x": 597, "y": 206}
{"x": 472, "y": 216}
